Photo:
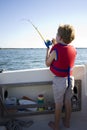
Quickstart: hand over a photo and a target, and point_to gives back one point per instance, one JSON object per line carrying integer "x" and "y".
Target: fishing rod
{"x": 36, "y": 29}
{"x": 47, "y": 42}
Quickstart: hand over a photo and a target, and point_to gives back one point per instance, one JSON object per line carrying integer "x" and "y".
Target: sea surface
{"x": 29, "y": 58}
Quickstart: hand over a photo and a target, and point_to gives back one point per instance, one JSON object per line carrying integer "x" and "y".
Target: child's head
{"x": 65, "y": 33}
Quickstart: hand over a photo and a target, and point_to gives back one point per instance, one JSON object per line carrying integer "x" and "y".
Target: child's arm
{"x": 50, "y": 57}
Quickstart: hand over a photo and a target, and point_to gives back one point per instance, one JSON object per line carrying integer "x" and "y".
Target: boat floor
{"x": 78, "y": 122}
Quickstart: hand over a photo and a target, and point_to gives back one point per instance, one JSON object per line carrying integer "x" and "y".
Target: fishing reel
{"x": 48, "y": 43}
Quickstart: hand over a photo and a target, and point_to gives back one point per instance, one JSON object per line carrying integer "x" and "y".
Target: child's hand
{"x": 54, "y": 41}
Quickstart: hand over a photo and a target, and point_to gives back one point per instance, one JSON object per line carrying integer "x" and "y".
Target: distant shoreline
{"x": 21, "y": 48}
{"x": 39, "y": 48}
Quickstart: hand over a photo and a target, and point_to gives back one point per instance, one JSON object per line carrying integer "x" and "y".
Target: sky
{"x": 17, "y": 32}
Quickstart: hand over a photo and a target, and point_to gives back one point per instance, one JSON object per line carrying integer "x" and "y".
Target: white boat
{"x": 31, "y": 83}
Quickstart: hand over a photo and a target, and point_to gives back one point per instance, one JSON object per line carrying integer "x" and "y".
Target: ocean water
{"x": 29, "y": 58}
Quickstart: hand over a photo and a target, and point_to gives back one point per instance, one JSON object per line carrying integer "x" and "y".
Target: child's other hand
{"x": 54, "y": 41}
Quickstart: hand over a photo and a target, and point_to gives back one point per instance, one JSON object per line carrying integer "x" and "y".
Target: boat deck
{"x": 78, "y": 122}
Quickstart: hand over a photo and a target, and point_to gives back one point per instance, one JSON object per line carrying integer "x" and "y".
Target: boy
{"x": 61, "y": 60}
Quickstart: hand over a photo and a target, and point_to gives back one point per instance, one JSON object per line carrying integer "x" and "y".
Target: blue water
{"x": 18, "y": 59}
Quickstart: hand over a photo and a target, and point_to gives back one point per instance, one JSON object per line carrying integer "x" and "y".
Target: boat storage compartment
{"x": 21, "y": 99}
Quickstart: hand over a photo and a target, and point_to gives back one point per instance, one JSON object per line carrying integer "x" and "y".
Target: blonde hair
{"x": 67, "y": 33}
